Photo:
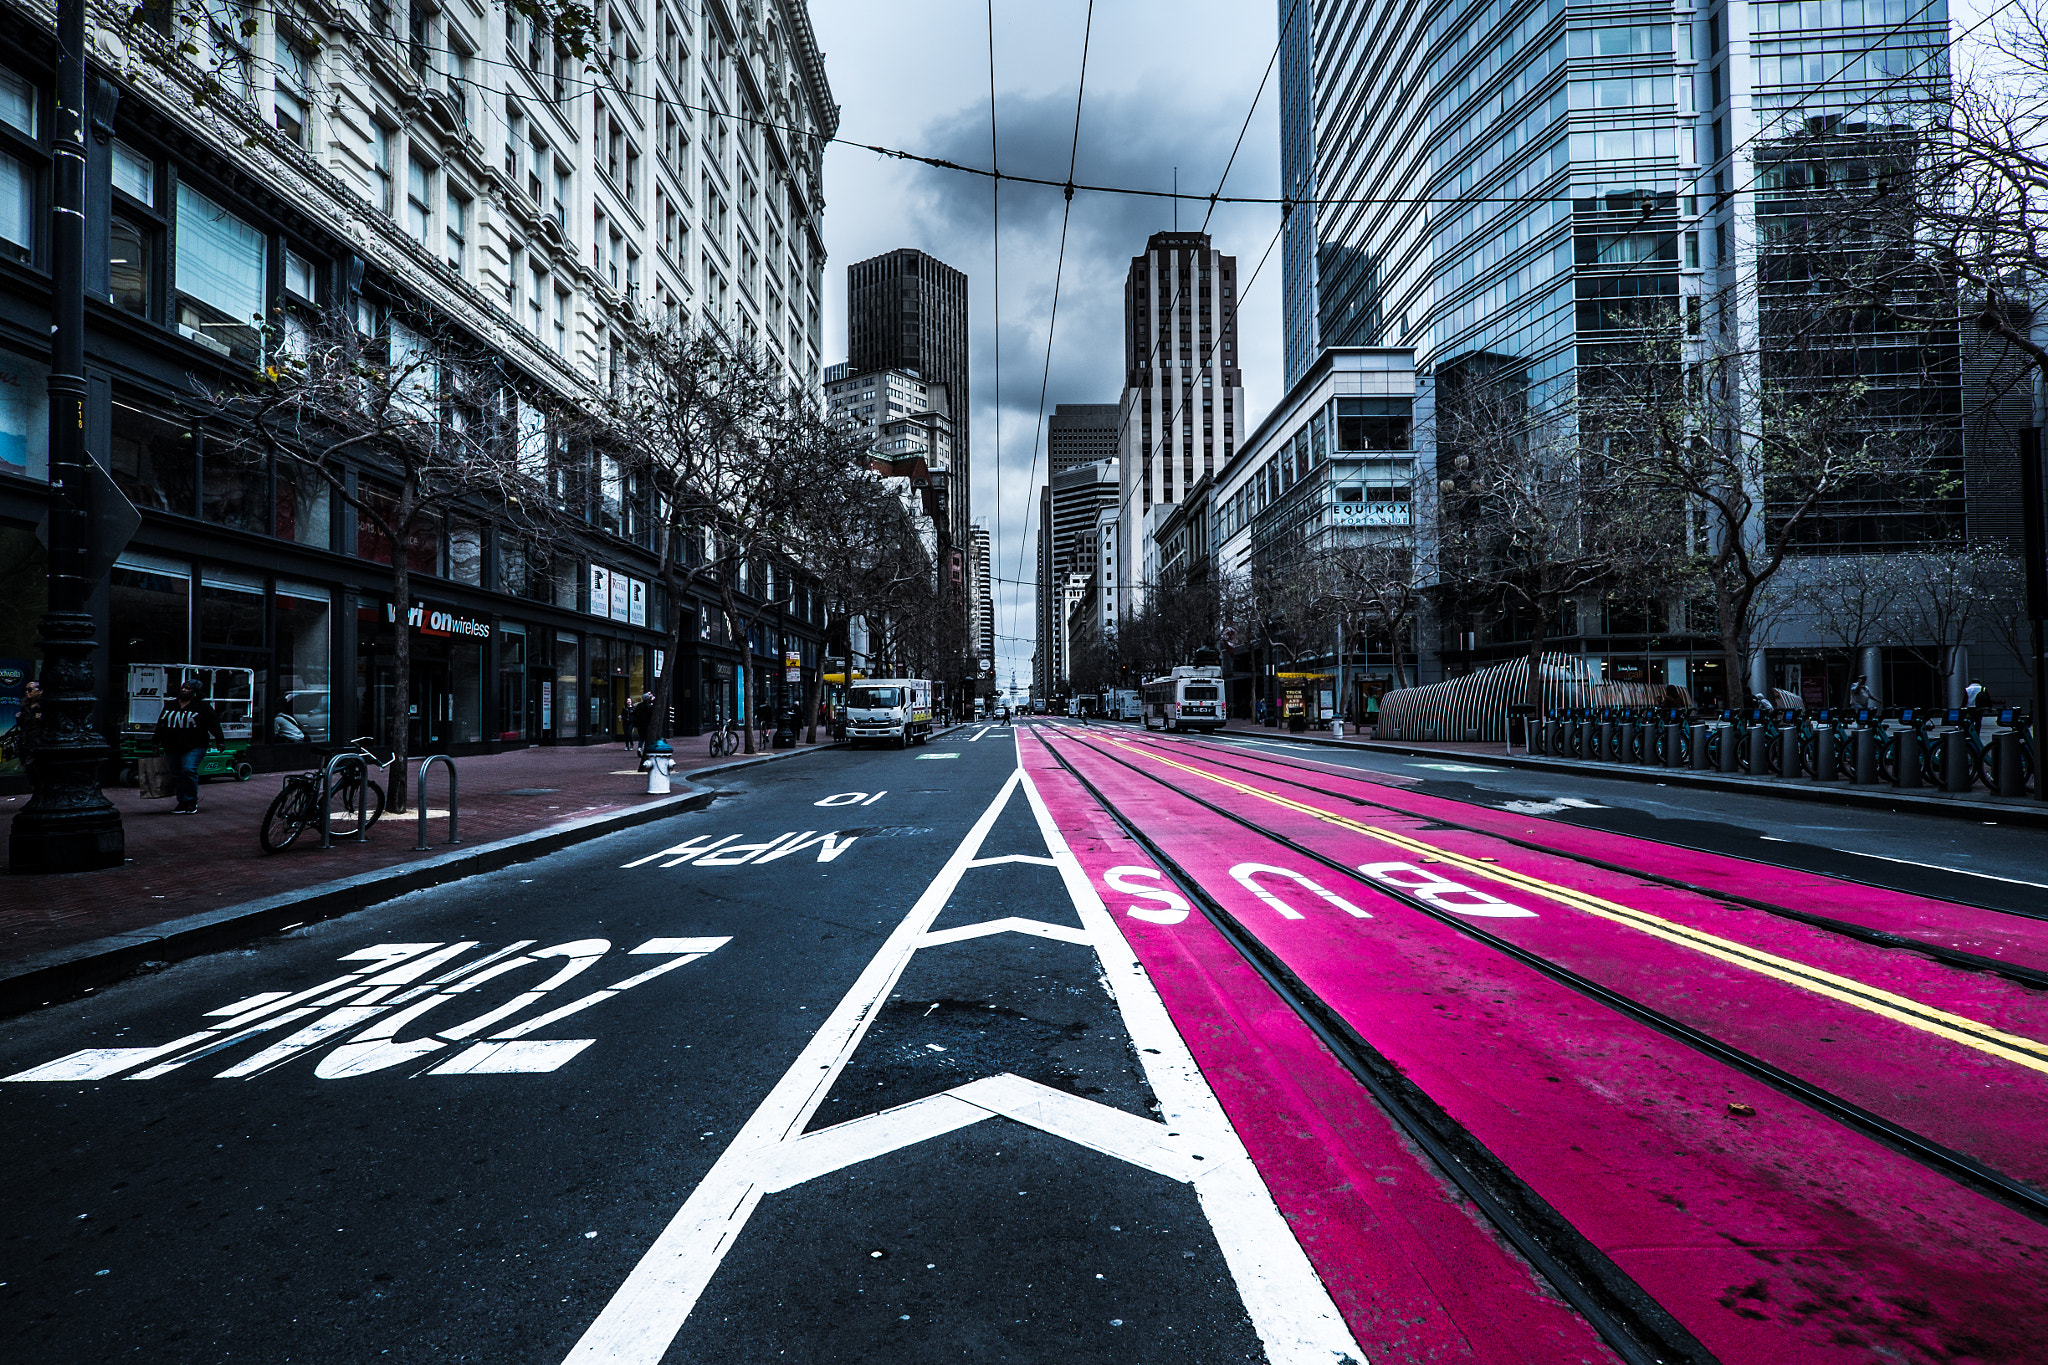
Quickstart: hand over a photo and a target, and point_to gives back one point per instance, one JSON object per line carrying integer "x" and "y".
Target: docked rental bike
{"x": 298, "y": 806}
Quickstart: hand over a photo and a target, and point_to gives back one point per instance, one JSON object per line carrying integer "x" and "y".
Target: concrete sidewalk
{"x": 1978, "y": 805}
{"x": 182, "y": 866}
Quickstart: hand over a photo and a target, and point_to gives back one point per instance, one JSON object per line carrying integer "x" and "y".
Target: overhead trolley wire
{"x": 1059, "y": 268}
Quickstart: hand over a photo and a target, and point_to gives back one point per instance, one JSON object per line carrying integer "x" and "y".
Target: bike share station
{"x": 1956, "y": 750}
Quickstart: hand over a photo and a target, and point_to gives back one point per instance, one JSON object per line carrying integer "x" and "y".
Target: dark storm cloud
{"x": 1133, "y": 138}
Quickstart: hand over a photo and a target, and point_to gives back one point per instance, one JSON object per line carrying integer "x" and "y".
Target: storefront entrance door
{"x": 433, "y": 709}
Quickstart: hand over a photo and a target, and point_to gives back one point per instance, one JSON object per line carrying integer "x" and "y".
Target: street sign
{"x": 114, "y": 521}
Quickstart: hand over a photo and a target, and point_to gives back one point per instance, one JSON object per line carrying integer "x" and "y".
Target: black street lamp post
{"x": 68, "y": 824}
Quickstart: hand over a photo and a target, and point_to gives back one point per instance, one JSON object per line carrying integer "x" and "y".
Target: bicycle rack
{"x": 425, "y": 764}
{"x": 327, "y": 771}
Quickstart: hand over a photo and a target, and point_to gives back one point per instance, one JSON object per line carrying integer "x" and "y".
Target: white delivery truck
{"x": 894, "y": 711}
{"x": 1124, "y": 703}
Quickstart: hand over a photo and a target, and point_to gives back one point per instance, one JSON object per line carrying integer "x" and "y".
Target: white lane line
{"x": 1284, "y": 1297}
{"x": 979, "y": 733}
{"x": 1933, "y": 867}
{"x": 643, "y": 1317}
{"x": 1011, "y": 924}
{"x": 1014, "y": 858}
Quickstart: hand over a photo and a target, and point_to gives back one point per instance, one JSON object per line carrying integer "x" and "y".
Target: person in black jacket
{"x": 183, "y": 731}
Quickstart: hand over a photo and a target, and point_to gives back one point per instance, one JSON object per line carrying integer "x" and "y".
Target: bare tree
{"x": 1942, "y": 592}
{"x": 859, "y": 538}
{"x": 425, "y": 422}
{"x": 1536, "y": 512}
{"x": 1745, "y": 453}
{"x": 697, "y": 423}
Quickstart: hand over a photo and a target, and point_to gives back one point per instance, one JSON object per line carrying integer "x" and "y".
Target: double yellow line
{"x": 1899, "y": 1009}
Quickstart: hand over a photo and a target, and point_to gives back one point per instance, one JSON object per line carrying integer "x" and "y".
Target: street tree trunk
{"x": 742, "y": 628}
{"x": 401, "y": 670}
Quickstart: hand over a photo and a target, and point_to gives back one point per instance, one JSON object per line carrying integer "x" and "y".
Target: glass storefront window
{"x": 305, "y": 655}
{"x": 24, "y": 593}
{"x": 235, "y": 487}
{"x": 24, "y": 417}
{"x": 465, "y": 551}
{"x": 600, "y": 694}
{"x": 150, "y": 614}
{"x": 512, "y": 683}
{"x": 230, "y": 609}
{"x": 466, "y": 688}
{"x": 152, "y": 457}
{"x": 219, "y": 277}
{"x": 566, "y": 690}
{"x": 305, "y": 503}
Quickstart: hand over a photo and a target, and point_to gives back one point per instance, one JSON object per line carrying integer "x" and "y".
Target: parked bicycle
{"x": 297, "y": 807}
{"x": 726, "y": 739}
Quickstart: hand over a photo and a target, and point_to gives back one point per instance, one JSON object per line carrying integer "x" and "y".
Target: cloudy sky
{"x": 1168, "y": 85}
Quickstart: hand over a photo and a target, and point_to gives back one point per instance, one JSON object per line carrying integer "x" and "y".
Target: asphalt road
{"x": 2000, "y": 866}
{"x": 422, "y": 1197}
{"x": 932, "y": 1055}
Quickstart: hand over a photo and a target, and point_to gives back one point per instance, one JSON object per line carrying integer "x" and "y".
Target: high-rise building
{"x": 906, "y": 310}
{"x": 1520, "y": 190}
{"x": 1081, "y": 433}
{"x": 437, "y": 167}
{"x": 1183, "y": 404}
{"x": 1068, "y": 506}
{"x": 984, "y": 626}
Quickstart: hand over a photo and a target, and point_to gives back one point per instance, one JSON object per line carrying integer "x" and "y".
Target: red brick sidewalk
{"x": 188, "y": 864}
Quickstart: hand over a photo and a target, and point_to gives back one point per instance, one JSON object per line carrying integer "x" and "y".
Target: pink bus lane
{"x": 1955, "y": 1056}
{"x": 1772, "y": 1232}
{"x": 1416, "y": 1273}
{"x": 1944, "y": 923}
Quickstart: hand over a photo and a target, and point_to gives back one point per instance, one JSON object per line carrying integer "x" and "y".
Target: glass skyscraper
{"x": 1502, "y": 183}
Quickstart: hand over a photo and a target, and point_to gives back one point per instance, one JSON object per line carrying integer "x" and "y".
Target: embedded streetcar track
{"x": 1626, "y": 1316}
{"x": 1935, "y": 1156}
{"x": 1962, "y": 959}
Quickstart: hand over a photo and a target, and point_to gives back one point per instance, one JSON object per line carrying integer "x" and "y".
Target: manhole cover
{"x": 530, "y": 791}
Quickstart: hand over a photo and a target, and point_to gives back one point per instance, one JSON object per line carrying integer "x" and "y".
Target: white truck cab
{"x": 894, "y": 711}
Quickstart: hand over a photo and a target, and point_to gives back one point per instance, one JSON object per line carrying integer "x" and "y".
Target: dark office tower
{"x": 1081, "y": 433}
{"x": 1180, "y": 364}
{"x": 908, "y": 311}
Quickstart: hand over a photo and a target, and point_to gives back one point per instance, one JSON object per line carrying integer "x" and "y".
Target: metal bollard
{"x": 1625, "y": 742}
{"x": 1866, "y": 756}
{"x": 660, "y": 759}
{"x": 1824, "y": 754}
{"x": 1955, "y": 762}
{"x": 1909, "y": 757}
{"x": 1731, "y": 749}
{"x": 425, "y": 764}
{"x": 1758, "y": 751}
{"x": 1699, "y": 745}
{"x": 1789, "y": 762}
{"x": 1606, "y": 742}
{"x": 2011, "y": 781}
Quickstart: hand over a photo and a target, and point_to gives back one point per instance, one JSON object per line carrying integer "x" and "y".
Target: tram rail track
{"x": 2033, "y": 977}
{"x": 1927, "y": 1152}
{"x": 1625, "y": 1315}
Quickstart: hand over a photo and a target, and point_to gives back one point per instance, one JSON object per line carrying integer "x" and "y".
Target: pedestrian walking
{"x": 1972, "y": 692}
{"x": 183, "y": 731}
{"x": 1861, "y": 698}
{"x": 640, "y": 721}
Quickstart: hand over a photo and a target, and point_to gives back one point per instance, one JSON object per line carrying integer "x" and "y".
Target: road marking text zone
{"x": 384, "y": 992}
{"x": 1439, "y": 891}
{"x": 705, "y": 851}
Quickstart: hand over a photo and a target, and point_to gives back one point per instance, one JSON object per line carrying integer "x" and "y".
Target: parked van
{"x": 894, "y": 711}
